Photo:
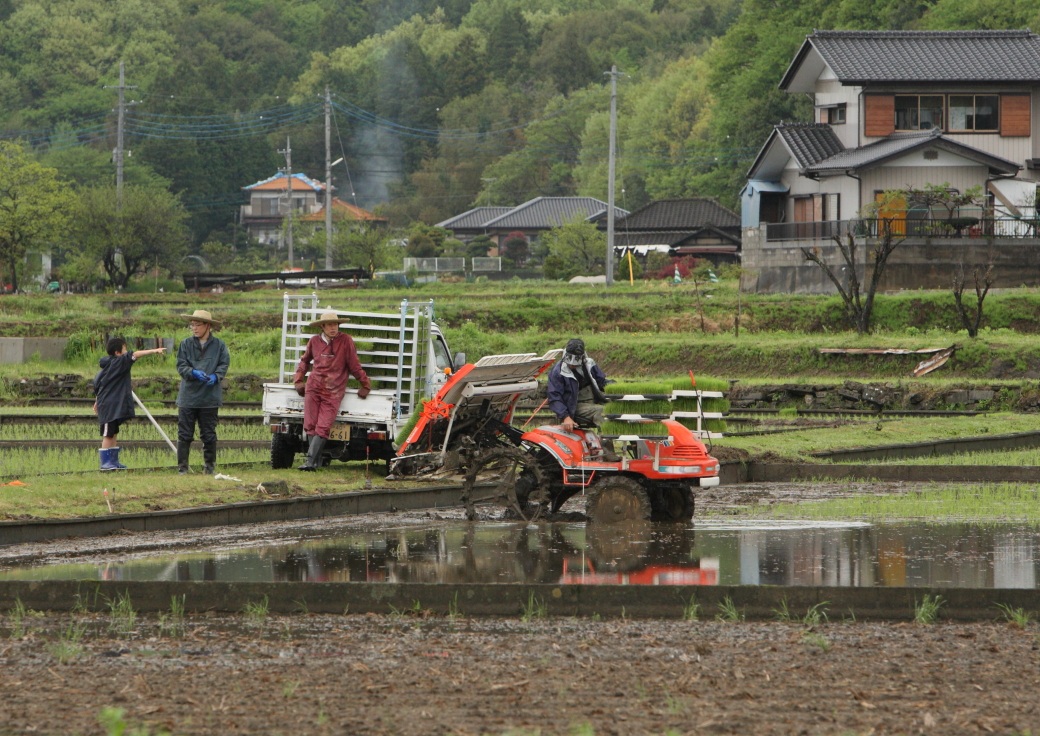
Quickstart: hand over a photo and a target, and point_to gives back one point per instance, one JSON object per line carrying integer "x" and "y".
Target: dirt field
{"x": 405, "y": 674}
{"x": 399, "y": 675}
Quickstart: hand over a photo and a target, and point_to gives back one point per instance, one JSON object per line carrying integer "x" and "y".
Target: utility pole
{"x": 610, "y": 174}
{"x": 117, "y": 154}
{"x": 328, "y": 179}
{"x": 287, "y": 151}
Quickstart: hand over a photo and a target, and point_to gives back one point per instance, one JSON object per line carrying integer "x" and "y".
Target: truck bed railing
{"x": 392, "y": 348}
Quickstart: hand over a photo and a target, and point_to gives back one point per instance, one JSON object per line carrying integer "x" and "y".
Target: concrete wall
{"x": 22, "y": 349}
{"x": 781, "y": 267}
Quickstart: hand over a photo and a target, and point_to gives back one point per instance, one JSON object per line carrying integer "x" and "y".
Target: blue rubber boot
{"x": 107, "y": 462}
{"x": 115, "y": 458}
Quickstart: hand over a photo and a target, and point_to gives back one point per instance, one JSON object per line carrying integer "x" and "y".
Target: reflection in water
{"x": 737, "y": 553}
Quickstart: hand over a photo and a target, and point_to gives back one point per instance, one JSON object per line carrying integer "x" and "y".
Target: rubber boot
{"x": 209, "y": 458}
{"x": 115, "y": 458}
{"x": 183, "y": 450}
{"x": 106, "y": 460}
{"x": 314, "y": 454}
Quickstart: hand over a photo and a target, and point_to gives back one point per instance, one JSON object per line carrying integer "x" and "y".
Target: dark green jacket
{"x": 211, "y": 358}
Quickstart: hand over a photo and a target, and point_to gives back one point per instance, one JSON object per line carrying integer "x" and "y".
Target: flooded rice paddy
{"x": 708, "y": 552}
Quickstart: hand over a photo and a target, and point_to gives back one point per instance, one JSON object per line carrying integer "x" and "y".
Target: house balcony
{"x": 931, "y": 253}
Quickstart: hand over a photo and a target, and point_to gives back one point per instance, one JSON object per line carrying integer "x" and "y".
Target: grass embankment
{"x": 71, "y": 495}
{"x": 799, "y": 444}
{"x": 646, "y": 330}
{"x": 951, "y": 502}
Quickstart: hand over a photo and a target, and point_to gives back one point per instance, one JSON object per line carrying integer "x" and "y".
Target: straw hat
{"x": 201, "y": 315}
{"x": 326, "y": 318}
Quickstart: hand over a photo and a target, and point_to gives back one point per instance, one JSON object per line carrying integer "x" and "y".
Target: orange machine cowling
{"x": 677, "y": 457}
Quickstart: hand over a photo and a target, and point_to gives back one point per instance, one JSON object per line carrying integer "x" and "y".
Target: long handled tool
{"x": 149, "y": 414}
{"x": 535, "y": 412}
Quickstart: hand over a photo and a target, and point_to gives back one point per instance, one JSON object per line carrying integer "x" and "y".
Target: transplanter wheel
{"x": 673, "y": 503}
{"x": 617, "y": 498}
{"x": 506, "y": 477}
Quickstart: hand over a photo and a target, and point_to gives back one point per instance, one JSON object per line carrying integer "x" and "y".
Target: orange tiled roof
{"x": 276, "y": 183}
{"x": 344, "y": 211}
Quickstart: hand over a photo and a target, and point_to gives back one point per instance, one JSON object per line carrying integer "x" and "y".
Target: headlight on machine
{"x": 680, "y": 469}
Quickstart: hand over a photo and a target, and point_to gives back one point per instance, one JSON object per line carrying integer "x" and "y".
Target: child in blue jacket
{"x": 114, "y": 397}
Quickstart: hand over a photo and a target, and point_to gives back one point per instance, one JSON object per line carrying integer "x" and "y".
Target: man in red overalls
{"x": 332, "y": 359}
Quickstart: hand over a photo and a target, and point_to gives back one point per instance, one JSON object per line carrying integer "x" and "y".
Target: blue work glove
{"x": 211, "y": 379}
{"x": 199, "y": 375}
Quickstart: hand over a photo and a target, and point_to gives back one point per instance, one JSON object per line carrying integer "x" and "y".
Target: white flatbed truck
{"x": 405, "y": 356}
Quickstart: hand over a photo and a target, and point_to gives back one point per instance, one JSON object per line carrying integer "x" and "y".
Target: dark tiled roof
{"x": 675, "y": 238}
{"x": 543, "y": 213}
{"x": 672, "y": 214}
{"x": 899, "y": 144}
{"x": 863, "y": 57}
{"x": 809, "y": 142}
{"x": 650, "y": 237}
{"x": 474, "y": 218}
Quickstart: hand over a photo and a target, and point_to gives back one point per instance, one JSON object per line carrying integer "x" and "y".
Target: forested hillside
{"x": 438, "y": 105}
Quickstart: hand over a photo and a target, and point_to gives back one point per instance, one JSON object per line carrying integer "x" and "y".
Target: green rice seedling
{"x": 927, "y": 611}
{"x": 402, "y": 434}
{"x": 675, "y": 705}
{"x": 728, "y": 611}
{"x": 18, "y": 619}
{"x": 173, "y": 622}
{"x": 817, "y": 640}
{"x": 34, "y": 461}
{"x": 415, "y": 609}
{"x": 122, "y": 616}
{"x": 1015, "y": 616}
{"x": 977, "y": 502}
{"x": 69, "y": 644}
{"x": 783, "y": 613}
{"x": 534, "y": 608}
{"x": 691, "y": 609}
{"x": 81, "y": 603}
{"x": 113, "y": 720}
{"x": 453, "y": 607}
{"x": 816, "y": 614}
{"x": 289, "y": 688}
{"x": 256, "y": 611}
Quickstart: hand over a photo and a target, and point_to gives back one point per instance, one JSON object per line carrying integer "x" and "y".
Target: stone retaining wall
{"x": 853, "y": 395}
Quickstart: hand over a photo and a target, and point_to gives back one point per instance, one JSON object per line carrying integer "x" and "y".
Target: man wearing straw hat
{"x": 332, "y": 359}
{"x": 202, "y": 362}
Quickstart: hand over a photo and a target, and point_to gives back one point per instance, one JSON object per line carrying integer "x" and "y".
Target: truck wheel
{"x": 283, "y": 450}
{"x": 617, "y": 498}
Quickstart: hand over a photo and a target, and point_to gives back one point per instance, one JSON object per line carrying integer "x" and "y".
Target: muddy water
{"x": 705, "y": 553}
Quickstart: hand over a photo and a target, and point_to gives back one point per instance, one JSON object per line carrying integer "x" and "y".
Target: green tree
{"x": 516, "y": 248}
{"x": 426, "y": 241}
{"x": 148, "y": 230}
{"x": 573, "y": 249}
{"x": 365, "y": 246}
{"x": 32, "y": 207}
{"x": 990, "y": 15}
